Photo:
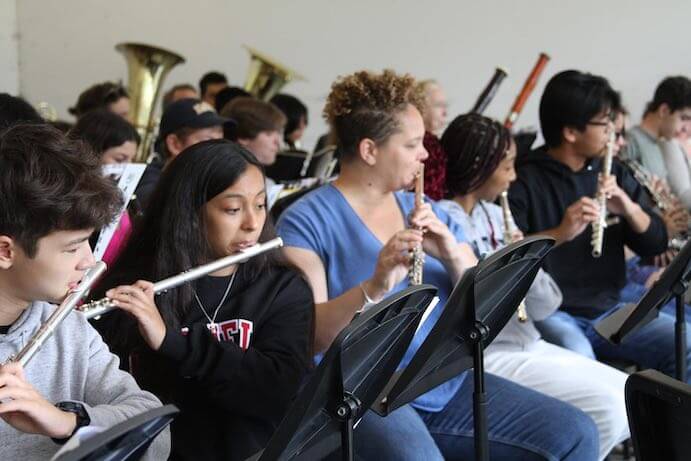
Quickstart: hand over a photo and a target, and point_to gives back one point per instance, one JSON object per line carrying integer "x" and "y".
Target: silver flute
{"x": 509, "y": 229}
{"x": 599, "y": 226}
{"x": 59, "y": 314}
{"x": 417, "y": 255}
{"x": 95, "y": 309}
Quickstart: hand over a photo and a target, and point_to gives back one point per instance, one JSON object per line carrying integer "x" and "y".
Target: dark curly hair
{"x": 474, "y": 146}
{"x": 48, "y": 184}
{"x": 365, "y": 105}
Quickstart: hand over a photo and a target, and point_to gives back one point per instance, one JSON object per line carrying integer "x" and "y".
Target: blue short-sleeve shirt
{"x": 324, "y": 222}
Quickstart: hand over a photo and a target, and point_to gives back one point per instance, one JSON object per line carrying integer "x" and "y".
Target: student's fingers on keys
{"x": 13, "y": 368}
{"x": 411, "y": 235}
{"x": 146, "y": 286}
{"x": 12, "y": 380}
{"x": 16, "y": 393}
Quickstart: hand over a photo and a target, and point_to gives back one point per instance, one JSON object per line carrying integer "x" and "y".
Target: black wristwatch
{"x": 78, "y": 409}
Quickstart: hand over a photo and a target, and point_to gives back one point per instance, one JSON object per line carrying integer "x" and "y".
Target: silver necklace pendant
{"x": 212, "y": 326}
{"x": 213, "y": 329}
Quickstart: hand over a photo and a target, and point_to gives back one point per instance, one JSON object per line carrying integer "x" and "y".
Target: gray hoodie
{"x": 73, "y": 365}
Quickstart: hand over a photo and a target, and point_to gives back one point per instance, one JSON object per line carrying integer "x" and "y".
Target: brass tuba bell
{"x": 147, "y": 68}
{"x": 266, "y": 77}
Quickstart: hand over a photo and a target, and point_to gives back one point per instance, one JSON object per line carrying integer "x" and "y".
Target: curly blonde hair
{"x": 365, "y": 104}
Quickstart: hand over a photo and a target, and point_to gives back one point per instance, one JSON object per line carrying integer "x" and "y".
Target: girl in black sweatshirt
{"x": 230, "y": 349}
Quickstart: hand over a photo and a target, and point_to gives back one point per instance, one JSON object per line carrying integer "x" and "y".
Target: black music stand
{"x": 629, "y": 318}
{"x": 288, "y": 165}
{"x": 524, "y": 143}
{"x": 350, "y": 376}
{"x": 292, "y": 165}
{"x": 659, "y": 410}
{"x": 125, "y": 441}
{"x": 480, "y": 305}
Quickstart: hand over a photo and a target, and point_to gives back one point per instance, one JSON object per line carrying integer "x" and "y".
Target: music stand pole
{"x": 347, "y": 412}
{"x": 479, "y": 396}
{"x": 680, "y": 330}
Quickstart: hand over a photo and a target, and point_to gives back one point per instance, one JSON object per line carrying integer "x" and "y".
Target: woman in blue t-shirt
{"x": 352, "y": 240}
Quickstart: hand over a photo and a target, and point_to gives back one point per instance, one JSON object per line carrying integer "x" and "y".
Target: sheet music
{"x": 127, "y": 175}
{"x": 272, "y": 194}
{"x": 83, "y": 434}
{"x": 427, "y": 312}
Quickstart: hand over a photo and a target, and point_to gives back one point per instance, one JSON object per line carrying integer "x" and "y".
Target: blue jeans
{"x": 402, "y": 435}
{"x": 523, "y": 424}
{"x": 633, "y": 292}
{"x": 563, "y": 330}
{"x": 652, "y": 346}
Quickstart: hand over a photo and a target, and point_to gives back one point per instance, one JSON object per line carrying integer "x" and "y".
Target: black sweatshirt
{"x": 539, "y": 197}
{"x": 233, "y": 392}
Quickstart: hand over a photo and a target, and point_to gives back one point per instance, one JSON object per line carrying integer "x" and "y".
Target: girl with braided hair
{"x": 351, "y": 238}
{"x": 480, "y": 166}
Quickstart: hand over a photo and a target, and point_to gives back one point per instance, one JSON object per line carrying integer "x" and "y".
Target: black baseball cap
{"x": 190, "y": 113}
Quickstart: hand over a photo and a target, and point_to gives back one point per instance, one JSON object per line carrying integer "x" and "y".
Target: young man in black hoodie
{"x": 553, "y": 196}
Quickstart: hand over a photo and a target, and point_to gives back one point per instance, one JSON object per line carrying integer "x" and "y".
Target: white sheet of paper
{"x": 127, "y": 176}
{"x": 427, "y": 312}
{"x": 273, "y": 193}
{"x": 82, "y": 434}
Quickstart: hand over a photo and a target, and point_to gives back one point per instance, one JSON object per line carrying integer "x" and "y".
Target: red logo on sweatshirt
{"x": 237, "y": 330}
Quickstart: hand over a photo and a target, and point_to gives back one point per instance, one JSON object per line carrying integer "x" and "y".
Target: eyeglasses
{"x": 608, "y": 125}
{"x": 599, "y": 123}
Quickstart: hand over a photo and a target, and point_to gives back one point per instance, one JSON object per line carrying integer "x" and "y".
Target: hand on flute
{"x": 138, "y": 301}
{"x": 23, "y": 408}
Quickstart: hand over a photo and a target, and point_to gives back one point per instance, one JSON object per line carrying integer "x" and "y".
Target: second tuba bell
{"x": 266, "y": 77}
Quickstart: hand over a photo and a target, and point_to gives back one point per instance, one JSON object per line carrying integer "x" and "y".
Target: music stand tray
{"x": 631, "y": 317}
{"x": 127, "y": 440}
{"x": 479, "y": 307}
{"x": 350, "y": 376}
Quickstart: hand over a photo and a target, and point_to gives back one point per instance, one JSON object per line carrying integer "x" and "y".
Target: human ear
{"x": 174, "y": 145}
{"x": 569, "y": 134}
{"x": 7, "y": 252}
{"x": 664, "y": 110}
{"x": 367, "y": 150}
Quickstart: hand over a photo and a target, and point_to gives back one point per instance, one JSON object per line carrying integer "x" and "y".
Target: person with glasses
{"x": 553, "y": 195}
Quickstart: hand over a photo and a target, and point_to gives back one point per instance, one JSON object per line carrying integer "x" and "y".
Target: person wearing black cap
{"x": 184, "y": 123}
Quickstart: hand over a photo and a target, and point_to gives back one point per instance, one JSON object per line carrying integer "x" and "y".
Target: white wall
{"x": 9, "y": 63}
{"x": 67, "y": 45}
